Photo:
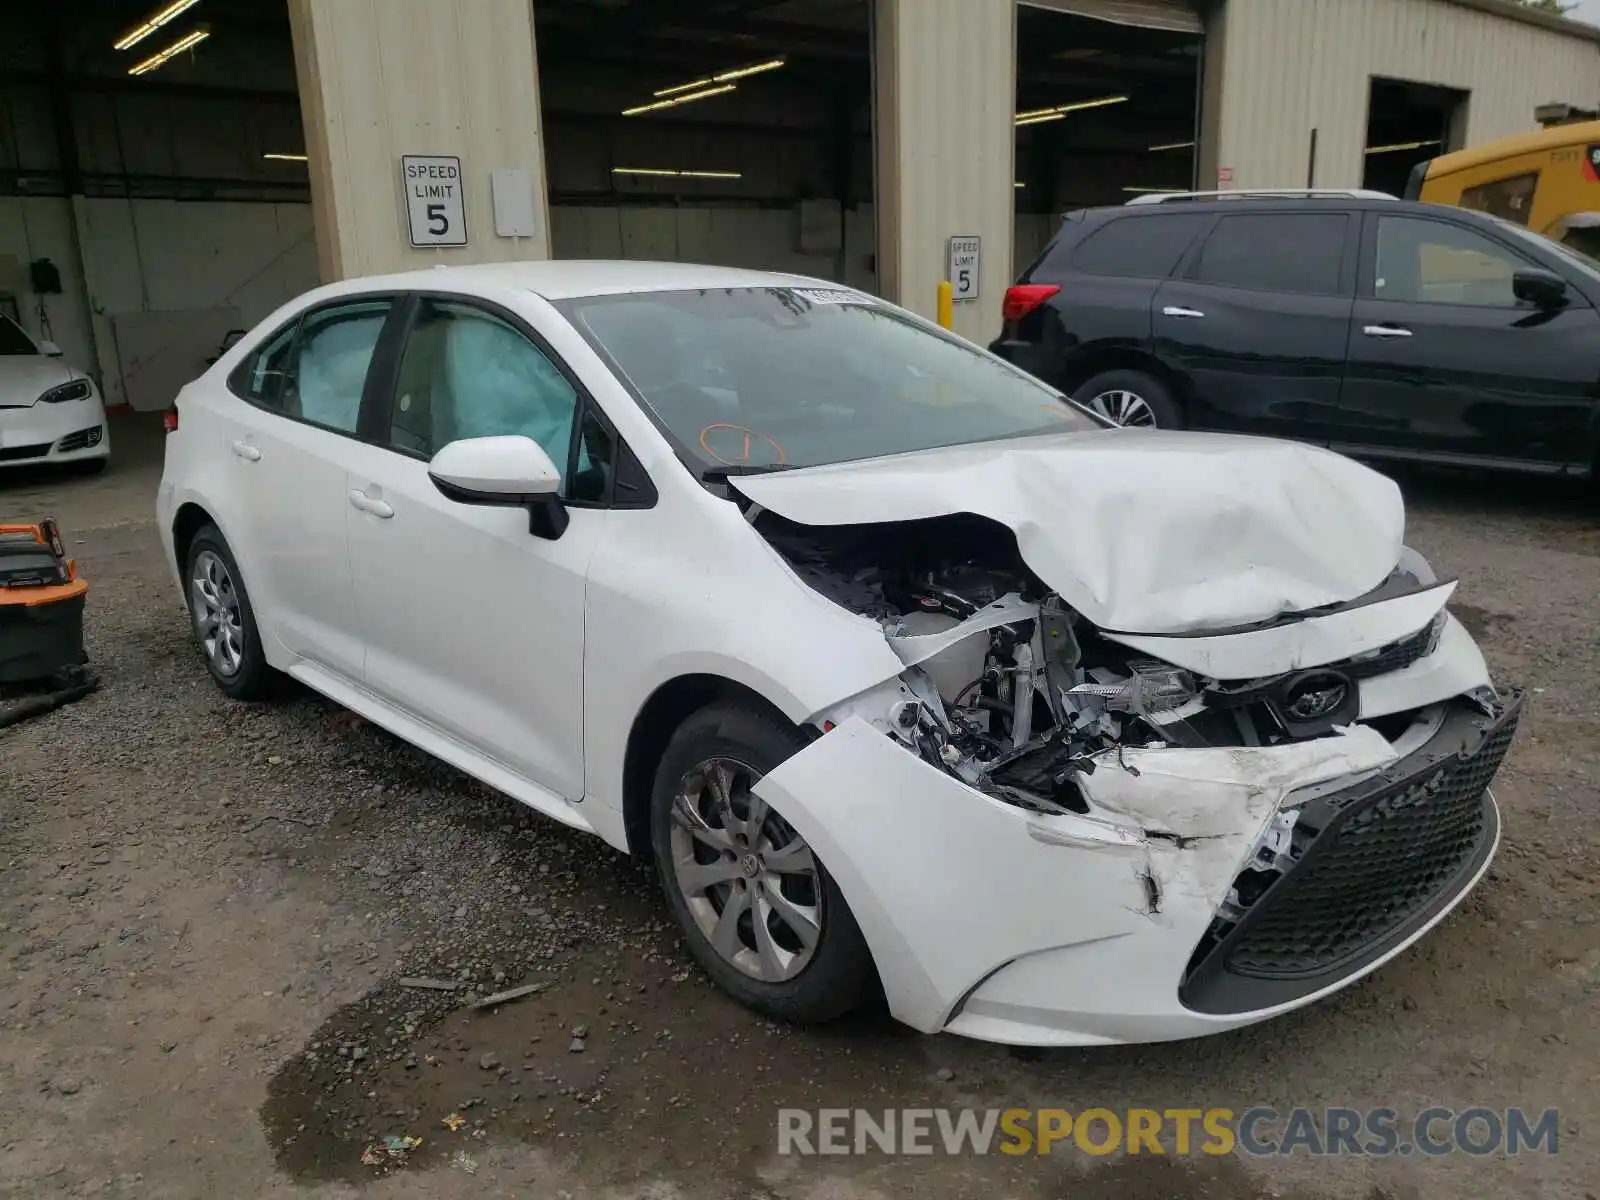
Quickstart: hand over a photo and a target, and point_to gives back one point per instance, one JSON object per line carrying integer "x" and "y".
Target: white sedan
{"x": 903, "y": 670}
{"x": 49, "y": 412}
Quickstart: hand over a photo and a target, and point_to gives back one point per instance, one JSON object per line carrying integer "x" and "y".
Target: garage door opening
{"x": 158, "y": 167}
{"x": 1107, "y": 107}
{"x": 1409, "y": 123}
{"x": 733, "y": 134}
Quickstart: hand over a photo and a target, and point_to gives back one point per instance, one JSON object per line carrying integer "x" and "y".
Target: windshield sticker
{"x": 830, "y": 296}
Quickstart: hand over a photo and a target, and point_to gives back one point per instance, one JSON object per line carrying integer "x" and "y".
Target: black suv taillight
{"x": 1022, "y": 298}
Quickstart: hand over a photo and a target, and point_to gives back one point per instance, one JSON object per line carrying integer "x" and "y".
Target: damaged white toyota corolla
{"x": 904, "y": 671}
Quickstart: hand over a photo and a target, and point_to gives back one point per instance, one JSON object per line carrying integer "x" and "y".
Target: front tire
{"x": 759, "y": 911}
{"x": 224, "y": 623}
{"x": 1132, "y": 399}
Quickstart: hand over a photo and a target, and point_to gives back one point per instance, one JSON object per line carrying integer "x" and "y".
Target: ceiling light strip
{"x": 1172, "y": 146}
{"x": 139, "y": 32}
{"x": 178, "y": 47}
{"x": 664, "y": 171}
{"x": 1402, "y": 146}
{"x": 675, "y": 100}
{"x": 278, "y": 157}
{"x": 724, "y": 77}
{"x": 1037, "y": 115}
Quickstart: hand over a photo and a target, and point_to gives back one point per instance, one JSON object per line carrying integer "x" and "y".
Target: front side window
{"x": 1420, "y": 261}
{"x": 465, "y": 373}
{"x": 1275, "y": 252}
{"x": 772, "y": 377}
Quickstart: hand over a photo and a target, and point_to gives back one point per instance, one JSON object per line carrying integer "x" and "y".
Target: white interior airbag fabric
{"x": 1142, "y": 531}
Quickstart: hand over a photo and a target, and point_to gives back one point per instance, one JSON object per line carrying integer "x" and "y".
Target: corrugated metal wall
{"x": 1297, "y": 65}
{"x": 946, "y": 102}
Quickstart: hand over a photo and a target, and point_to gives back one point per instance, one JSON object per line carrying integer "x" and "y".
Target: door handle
{"x": 246, "y": 451}
{"x": 367, "y": 504}
{"x": 1177, "y": 310}
{"x": 1386, "y": 331}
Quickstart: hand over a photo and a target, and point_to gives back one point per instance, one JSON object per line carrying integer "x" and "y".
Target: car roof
{"x": 1279, "y": 204}
{"x": 564, "y": 279}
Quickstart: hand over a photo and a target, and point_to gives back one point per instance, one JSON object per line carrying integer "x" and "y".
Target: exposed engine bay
{"x": 1015, "y": 693}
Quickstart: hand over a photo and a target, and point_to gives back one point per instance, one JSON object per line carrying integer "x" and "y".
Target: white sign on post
{"x": 435, "y": 208}
{"x": 966, "y": 257}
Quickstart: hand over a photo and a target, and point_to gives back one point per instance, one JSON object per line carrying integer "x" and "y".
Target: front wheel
{"x": 760, "y": 912}
{"x": 1131, "y": 398}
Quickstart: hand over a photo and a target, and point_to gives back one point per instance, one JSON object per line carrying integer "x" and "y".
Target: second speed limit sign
{"x": 966, "y": 256}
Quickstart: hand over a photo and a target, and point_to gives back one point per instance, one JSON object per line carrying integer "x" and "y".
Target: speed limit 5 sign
{"x": 965, "y": 257}
{"x": 435, "y": 208}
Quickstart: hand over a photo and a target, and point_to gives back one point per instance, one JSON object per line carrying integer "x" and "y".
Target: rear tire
{"x": 759, "y": 911}
{"x": 1133, "y": 399}
{"x": 223, "y": 621}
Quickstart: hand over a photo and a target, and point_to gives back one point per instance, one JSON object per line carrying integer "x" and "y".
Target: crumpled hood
{"x": 1141, "y": 531}
{"x": 26, "y": 377}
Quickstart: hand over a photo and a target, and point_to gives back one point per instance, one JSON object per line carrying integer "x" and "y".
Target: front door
{"x": 1446, "y": 362}
{"x": 474, "y": 624}
{"x": 1257, "y": 320}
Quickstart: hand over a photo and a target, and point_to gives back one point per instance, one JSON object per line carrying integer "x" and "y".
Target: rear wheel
{"x": 760, "y": 912}
{"x": 224, "y": 623}
{"x": 1133, "y": 399}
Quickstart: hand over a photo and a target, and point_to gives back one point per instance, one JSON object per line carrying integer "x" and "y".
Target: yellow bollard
{"x": 946, "y": 305}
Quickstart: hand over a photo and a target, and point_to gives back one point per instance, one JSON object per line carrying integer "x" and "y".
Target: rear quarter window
{"x": 1138, "y": 247}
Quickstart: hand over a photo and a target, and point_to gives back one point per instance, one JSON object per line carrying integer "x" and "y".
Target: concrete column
{"x": 380, "y": 79}
{"x": 946, "y": 79}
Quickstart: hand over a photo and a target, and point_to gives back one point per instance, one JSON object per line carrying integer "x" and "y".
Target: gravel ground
{"x": 206, "y": 910}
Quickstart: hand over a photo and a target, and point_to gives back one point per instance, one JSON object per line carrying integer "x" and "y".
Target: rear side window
{"x": 1144, "y": 247}
{"x": 1275, "y": 252}
{"x": 260, "y": 377}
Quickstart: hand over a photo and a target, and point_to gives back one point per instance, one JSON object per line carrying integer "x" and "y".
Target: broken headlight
{"x": 1149, "y": 688}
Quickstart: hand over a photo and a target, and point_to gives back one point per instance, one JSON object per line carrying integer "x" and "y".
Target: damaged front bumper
{"x": 1204, "y": 889}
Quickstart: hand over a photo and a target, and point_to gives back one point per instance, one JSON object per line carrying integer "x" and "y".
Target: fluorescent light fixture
{"x": 1038, "y": 115}
{"x": 1401, "y": 146}
{"x": 1152, "y": 190}
{"x": 276, "y": 157}
{"x": 178, "y": 47}
{"x": 1172, "y": 146}
{"x": 684, "y": 99}
{"x": 1019, "y": 184}
{"x": 724, "y": 77}
{"x": 663, "y": 171}
{"x": 152, "y": 23}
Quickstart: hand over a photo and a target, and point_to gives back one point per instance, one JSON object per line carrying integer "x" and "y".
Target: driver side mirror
{"x": 1542, "y": 289}
{"x": 50, "y": 349}
{"x": 509, "y": 471}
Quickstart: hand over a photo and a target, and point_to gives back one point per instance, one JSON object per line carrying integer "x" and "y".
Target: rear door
{"x": 1446, "y": 362}
{"x": 1107, "y": 280}
{"x": 1258, "y": 320}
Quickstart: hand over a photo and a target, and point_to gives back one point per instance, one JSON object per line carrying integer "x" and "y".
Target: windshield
{"x": 13, "y": 340}
{"x": 765, "y": 378}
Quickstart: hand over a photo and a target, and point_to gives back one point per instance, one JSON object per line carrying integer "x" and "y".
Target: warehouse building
{"x": 174, "y": 169}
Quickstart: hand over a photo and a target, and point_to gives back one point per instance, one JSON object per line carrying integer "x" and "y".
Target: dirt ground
{"x": 206, "y": 910}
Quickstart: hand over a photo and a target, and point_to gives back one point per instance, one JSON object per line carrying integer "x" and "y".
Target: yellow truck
{"x": 1547, "y": 182}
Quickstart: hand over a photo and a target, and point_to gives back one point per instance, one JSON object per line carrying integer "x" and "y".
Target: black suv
{"x": 1377, "y": 326}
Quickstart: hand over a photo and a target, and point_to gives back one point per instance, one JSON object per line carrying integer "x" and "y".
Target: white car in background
{"x": 904, "y": 670}
{"x": 49, "y": 412}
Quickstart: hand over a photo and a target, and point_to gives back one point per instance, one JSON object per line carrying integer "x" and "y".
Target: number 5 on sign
{"x": 966, "y": 257}
{"x": 436, "y": 211}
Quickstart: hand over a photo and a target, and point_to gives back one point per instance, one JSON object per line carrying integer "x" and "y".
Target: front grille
{"x": 17, "y": 453}
{"x": 1395, "y": 655}
{"x": 81, "y": 440}
{"x": 1376, "y": 863}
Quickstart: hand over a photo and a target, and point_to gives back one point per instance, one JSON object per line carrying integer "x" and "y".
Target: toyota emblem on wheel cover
{"x": 1315, "y": 695}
